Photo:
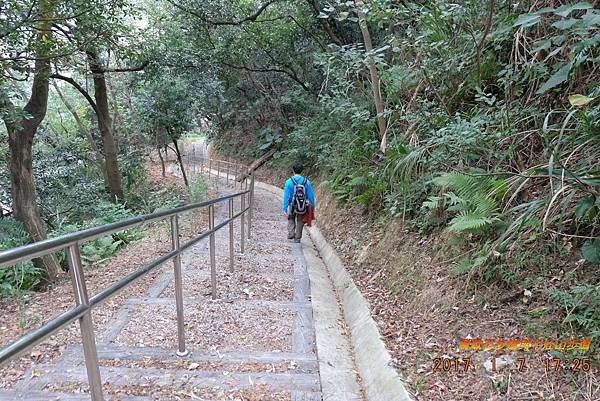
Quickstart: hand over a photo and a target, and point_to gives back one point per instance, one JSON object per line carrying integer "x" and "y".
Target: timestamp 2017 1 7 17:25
{"x": 464, "y": 365}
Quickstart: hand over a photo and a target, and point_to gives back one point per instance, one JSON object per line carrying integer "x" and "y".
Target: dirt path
{"x": 255, "y": 342}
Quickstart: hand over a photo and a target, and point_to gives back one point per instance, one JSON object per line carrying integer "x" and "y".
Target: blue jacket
{"x": 288, "y": 192}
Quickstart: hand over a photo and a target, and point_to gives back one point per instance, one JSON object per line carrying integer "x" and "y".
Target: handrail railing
{"x": 84, "y": 305}
{"x": 228, "y": 169}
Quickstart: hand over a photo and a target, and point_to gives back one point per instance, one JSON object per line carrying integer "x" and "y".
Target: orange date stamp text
{"x": 523, "y": 344}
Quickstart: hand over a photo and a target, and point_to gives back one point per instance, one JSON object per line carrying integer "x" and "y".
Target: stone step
{"x": 73, "y": 355}
{"x": 11, "y": 395}
{"x": 56, "y": 376}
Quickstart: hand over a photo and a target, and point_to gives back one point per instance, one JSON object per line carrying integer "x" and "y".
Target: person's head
{"x": 297, "y": 168}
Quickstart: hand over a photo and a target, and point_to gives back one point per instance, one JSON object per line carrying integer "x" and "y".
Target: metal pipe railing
{"x": 85, "y": 322}
{"x": 181, "y": 351}
{"x": 84, "y": 305}
{"x": 41, "y": 248}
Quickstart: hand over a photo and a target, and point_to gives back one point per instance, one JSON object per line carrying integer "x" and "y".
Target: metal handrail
{"x": 233, "y": 169}
{"x": 84, "y": 305}
{"x": 41, "y": 248}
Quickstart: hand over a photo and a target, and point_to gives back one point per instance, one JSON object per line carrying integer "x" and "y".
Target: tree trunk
{"x": 185, "y": 180}
{"x": 109, "y": 146}
{"x": 160, "y": 156}
{"x": 162, "y": 162}
{"x": 132, "y": 116}
{"x": 257, "y": 163}
{"x": 86, "y": 133}
{"x": 20, "y": 142}
{"x": 335, "y": 38}
{"x": 362, "y": 22}
{"x": 115, "y": 105}
{"x": 24, "y": 197}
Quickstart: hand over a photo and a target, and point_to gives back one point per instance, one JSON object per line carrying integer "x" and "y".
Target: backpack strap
{"x": 296, "y": 183}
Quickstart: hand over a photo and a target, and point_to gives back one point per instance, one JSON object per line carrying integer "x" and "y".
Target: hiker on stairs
{"x": 298, "y": 202}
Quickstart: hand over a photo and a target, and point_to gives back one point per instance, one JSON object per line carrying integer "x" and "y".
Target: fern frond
{"x": 454, "y": 199}
{"x": 471, "y": 222}
{"x": 410, "y": 165}
{"x": 432, "y": 203}
{"x": 483, "y": 205}
{"x": 360, "y": 180}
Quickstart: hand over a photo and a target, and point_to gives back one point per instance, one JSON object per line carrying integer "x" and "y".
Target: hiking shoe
{"x": 297, "y": 240}
{"x": 292, "y": 237}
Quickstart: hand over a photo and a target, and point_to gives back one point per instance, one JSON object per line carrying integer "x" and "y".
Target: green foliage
{"x": 573, "y": 34}
{"x": 472, "y": 200}
{"x": 165, "y": 108}
{"x": 101, "y": 249}
{"x": 270, "y": 138}
{"x": 22, "y": 276}
{"x": 472, "y": 262}
{"x": 198, "y": 190}
{"x": 481, "y": 138}
{"x": 133, "y": 171}
{"x": 581, "y": 307}
{"x": 591, "y": 251}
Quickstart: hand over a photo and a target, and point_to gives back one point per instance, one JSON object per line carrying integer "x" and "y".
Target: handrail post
{"x": 243, "y": 178}
{"x": 231, "y": 234}
{"x": 242, "y": 237}
{"x": 213, "y": 267}
{"x": 181, "y": 351}
{"x": 250, "y": 202}
{"x": 85, "y": 322}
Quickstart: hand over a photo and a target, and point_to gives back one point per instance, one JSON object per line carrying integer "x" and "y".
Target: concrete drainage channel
{"x": 380, "y": 380}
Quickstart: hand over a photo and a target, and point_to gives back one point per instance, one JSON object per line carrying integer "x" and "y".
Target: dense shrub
{"x": 24, "y": 275}
{"x": 492, "y": 125}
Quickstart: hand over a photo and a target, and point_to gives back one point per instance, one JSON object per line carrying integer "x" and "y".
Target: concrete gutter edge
{"x": 337, "y": 369}
{"x": 380, "y": 380}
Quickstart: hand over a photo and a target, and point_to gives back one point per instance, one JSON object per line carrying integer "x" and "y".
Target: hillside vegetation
{"x": 491, "y": 131}
{"x": 472, "y": 124}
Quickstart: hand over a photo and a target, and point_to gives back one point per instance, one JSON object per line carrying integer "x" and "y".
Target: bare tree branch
{"x": 251, "y": 18}
{"x": 128, "y": 69}
{"x": 79, "y": 88}
{"x": 293, "y": 76}
{"x": 321, "y": 45}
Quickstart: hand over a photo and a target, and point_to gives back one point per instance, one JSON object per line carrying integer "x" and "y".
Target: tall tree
{"x": 105, "y": 126}
{"x": 22, "y": 126}
{"x": 375, "y": 81}
{"x": 35, "y": 35}
{"x": 95, "y": 37}
{"x": 166, "y": 108}
{"x": 83, "y": 130}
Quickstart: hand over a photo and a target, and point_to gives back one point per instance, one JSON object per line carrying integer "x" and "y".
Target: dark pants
{"x": 295, "y": 225}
